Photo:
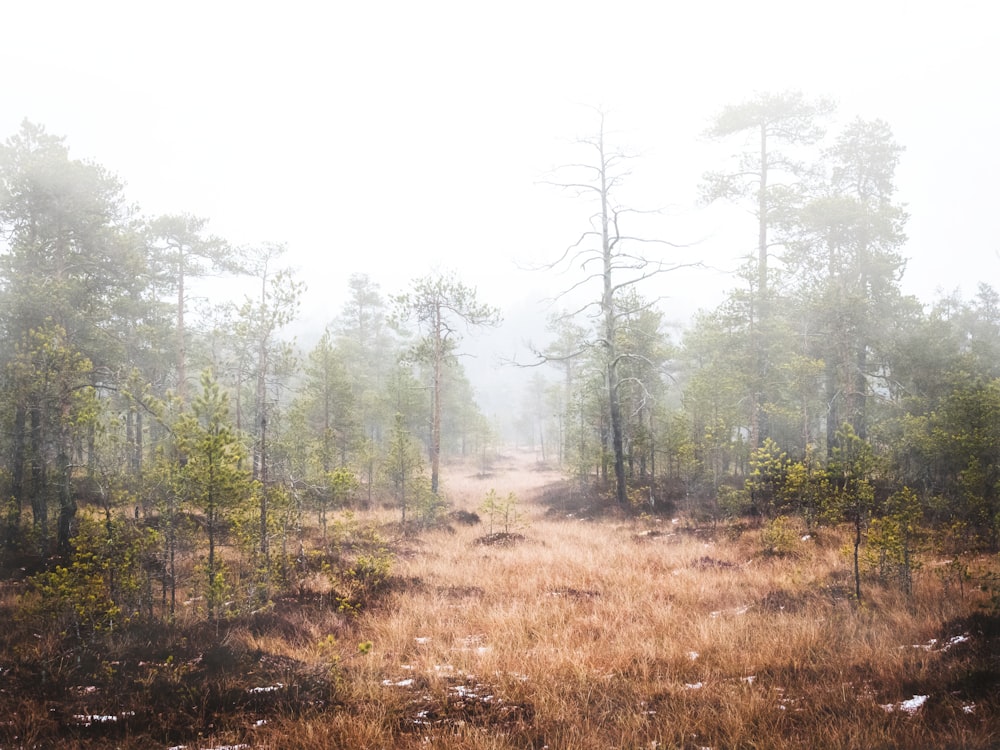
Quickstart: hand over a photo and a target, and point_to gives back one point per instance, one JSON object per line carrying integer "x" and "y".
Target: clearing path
{"x": 514, "y": 470}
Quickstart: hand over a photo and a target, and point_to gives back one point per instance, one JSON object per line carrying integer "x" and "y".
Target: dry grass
{"x": 611, "y": 633}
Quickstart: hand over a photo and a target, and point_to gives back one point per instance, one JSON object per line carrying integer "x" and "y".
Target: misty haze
{"x": 528, "y": 377}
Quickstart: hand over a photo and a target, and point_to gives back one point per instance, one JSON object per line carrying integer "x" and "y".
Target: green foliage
{"x": 359, "y": 565}
{"x": 402, "y": 464}
{"x": 343, "y": 483}
{"x": 502, "y": 512}
{"x": 440, "y": 305}
{"x": 778, "y": 537}
{"x": 733, "y": 502}
{"x": 211, "y": 476}
{"x": 362, "y": 582}
{"x": 852, "y": 470}
{"x": 806, "y": 487}
{"x": 894, "y": 539}
{"x": 103, "y": 584}
{"x": 768, "y": 468}
{"x": 428, "y": 507}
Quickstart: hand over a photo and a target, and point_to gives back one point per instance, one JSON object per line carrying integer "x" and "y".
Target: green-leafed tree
{"x": 440, "y": 306}
{"x": 645, "y": 351}
{"x": 183, "y": 251}
{"x": 844, "y": 251}
{"x": 369, "y": 350}
{"x": 72, "y": 280}
{"x": 267, "y": 360}
{"x": 402, "y": 466}
{"x": 766, "y": 177}
{"x": 852, "y": 470}
{"x": 52, "y": 383}
{"x": 211, "y": 475}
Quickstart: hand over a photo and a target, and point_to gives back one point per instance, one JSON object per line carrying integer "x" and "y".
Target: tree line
{"x": 181, "y": 422}
{"x": 816, "y": 388}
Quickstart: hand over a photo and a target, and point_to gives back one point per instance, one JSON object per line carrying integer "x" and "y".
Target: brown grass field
{"x": 581, "y": 632}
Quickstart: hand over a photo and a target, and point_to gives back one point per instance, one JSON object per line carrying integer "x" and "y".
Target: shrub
{"x": 501, "y": 511}
{"x": 103, "y": 585}
{"x": 778, "y": 537}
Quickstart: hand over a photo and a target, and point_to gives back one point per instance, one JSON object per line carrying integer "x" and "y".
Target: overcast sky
{"x": 400, "y": 138}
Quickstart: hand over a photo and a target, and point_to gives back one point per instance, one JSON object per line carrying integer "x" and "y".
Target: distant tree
{"x": 852, "y": 470}
{"x": 766, "y": 177}
{"x": 263, "y": 358}
{"x": 402, "y": 465}
{"x": 72, "y": 281}
{"x": 615, "y": 260}
{"x": 210, "y": 474}
{"x": 183, "y": 251}
{"x": 330, "y": 405}
{"x": 847, "y": 265}
{"x": 440, "y": 305}
{"x": 51, "y": 382}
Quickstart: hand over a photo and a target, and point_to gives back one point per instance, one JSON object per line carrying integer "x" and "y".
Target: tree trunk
{"x": 67, "y": 505}
{"x": 610, "y": 334}
{"x": 436, "y": 402}
{"x": 39, "y": 498}
{"x": 16, "y": 478}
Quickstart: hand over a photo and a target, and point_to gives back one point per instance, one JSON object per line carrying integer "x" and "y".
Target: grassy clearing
{"x": 607, "y": 633}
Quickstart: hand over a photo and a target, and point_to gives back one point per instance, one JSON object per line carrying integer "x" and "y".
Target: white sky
{"x": 396, "y": 138}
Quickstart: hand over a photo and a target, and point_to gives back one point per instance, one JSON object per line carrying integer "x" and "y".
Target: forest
{"x": 172, "y": 459}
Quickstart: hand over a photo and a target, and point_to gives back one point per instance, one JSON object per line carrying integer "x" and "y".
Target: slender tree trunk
{"x": 67, "y": 505}
{"x": 758, "y": 417}
{"x": 39, "y": 498}
{"x": 181, "y": 338}
{"x": 857, "y": 556}
{"x": 436, "y": 402}
{"x": 16, "y": 477}
{"x": 610, "y": 331}
{"x": 137, "y": 452}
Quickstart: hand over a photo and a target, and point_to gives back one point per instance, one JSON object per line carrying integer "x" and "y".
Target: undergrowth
{"x": 588, "y": 630}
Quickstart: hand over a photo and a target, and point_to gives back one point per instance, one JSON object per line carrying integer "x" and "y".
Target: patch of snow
{"x": 910, "y": 706}
{"x": 266, "y": 689}
{"x": 913, "y": 704}
{"x": 955, "y": 640}
{"x": 86, "y": 720}
{"x": 401, "y": 683}
{"x": 933, "y": 643}
{"x": 694, "y": 685}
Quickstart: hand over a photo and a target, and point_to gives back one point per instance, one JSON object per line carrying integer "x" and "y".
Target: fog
{"x": 400, "y": 139}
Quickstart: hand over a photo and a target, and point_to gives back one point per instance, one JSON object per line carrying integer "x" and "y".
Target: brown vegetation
{"x": 615, "y": 632}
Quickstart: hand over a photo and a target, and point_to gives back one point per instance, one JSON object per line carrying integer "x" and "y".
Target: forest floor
{"x": 571, "y": 626}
